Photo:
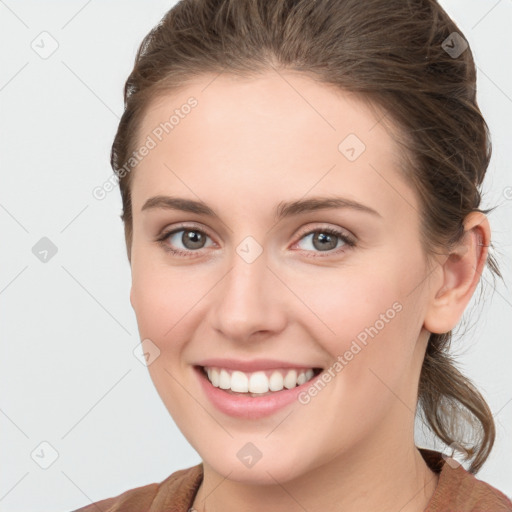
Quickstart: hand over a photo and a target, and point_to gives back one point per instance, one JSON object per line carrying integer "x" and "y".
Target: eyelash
{"x": 348, "y": 241}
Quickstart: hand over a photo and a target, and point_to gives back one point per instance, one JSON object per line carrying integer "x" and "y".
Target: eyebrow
{"x": 283, "y": 209}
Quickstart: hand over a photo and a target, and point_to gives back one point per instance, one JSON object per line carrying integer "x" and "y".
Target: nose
{"x": 249, "y": 302}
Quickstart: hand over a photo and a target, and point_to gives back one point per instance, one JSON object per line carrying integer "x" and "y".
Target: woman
{"x": 300, "y": 184}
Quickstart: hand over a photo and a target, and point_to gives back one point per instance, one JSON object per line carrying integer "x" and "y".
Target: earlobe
{"x": 461, "y": 273}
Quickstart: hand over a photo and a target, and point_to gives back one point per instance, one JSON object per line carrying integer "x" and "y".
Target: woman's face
{"x": 262, "y": 280}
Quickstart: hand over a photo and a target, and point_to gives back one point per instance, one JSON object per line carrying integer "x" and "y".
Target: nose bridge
{"x": 245, "y": 301}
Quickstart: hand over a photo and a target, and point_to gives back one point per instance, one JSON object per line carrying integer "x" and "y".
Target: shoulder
{"x": 460, "y": 490}
{"x": 178, "y": 490}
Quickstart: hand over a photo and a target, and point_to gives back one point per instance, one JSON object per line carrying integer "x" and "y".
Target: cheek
{"x": 163, "y": 305}
{"x": 347, "y": 302}
{"x": 161, "y": 298}
{"x": 369, "y": 318}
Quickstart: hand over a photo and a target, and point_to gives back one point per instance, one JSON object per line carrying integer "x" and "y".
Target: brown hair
{"x": 395, "y": 55}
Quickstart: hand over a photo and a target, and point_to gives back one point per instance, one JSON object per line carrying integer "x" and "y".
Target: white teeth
{"x": 290, "y": 381}
{"x": 259, "y": 382}
{"x": 275, "y": 382}
{"x": 239, "y": 382}
{"x": 224, "y": 380}
{"x": 214, "y": 377}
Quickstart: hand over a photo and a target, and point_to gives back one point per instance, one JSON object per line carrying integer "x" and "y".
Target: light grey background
{"x": 68, "y": 373}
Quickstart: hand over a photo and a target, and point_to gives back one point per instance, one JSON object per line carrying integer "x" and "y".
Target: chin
{"x": 263, "y": 472}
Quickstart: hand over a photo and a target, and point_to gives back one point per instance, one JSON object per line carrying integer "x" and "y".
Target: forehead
{"x": 280, "y": 134}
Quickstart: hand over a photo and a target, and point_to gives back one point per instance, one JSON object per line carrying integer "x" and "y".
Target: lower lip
{"x": 245, "y": 406}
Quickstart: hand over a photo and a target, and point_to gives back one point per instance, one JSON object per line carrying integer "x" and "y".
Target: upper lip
{"x": 251, "y": 366}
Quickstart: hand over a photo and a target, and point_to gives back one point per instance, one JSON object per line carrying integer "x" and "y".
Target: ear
{"x": 460, "y": 274}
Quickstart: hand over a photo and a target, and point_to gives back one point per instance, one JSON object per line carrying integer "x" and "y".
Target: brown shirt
{"x": 456, "y": 491}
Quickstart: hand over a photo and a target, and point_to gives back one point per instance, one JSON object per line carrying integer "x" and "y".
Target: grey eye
{"x": 191, "y": 239}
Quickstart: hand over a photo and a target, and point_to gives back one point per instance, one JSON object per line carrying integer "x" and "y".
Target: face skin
{"x": 247, "y": 146}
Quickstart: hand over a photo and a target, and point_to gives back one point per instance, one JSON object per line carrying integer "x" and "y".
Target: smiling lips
{"x": 259, "y": 382}
{"x": 253, "y": 389}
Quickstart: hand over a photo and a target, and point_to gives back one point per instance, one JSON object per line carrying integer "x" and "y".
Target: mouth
{"x": 259, "y": 383}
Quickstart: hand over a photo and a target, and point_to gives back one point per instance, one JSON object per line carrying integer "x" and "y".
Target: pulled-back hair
{"x": 402, "y": 58}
